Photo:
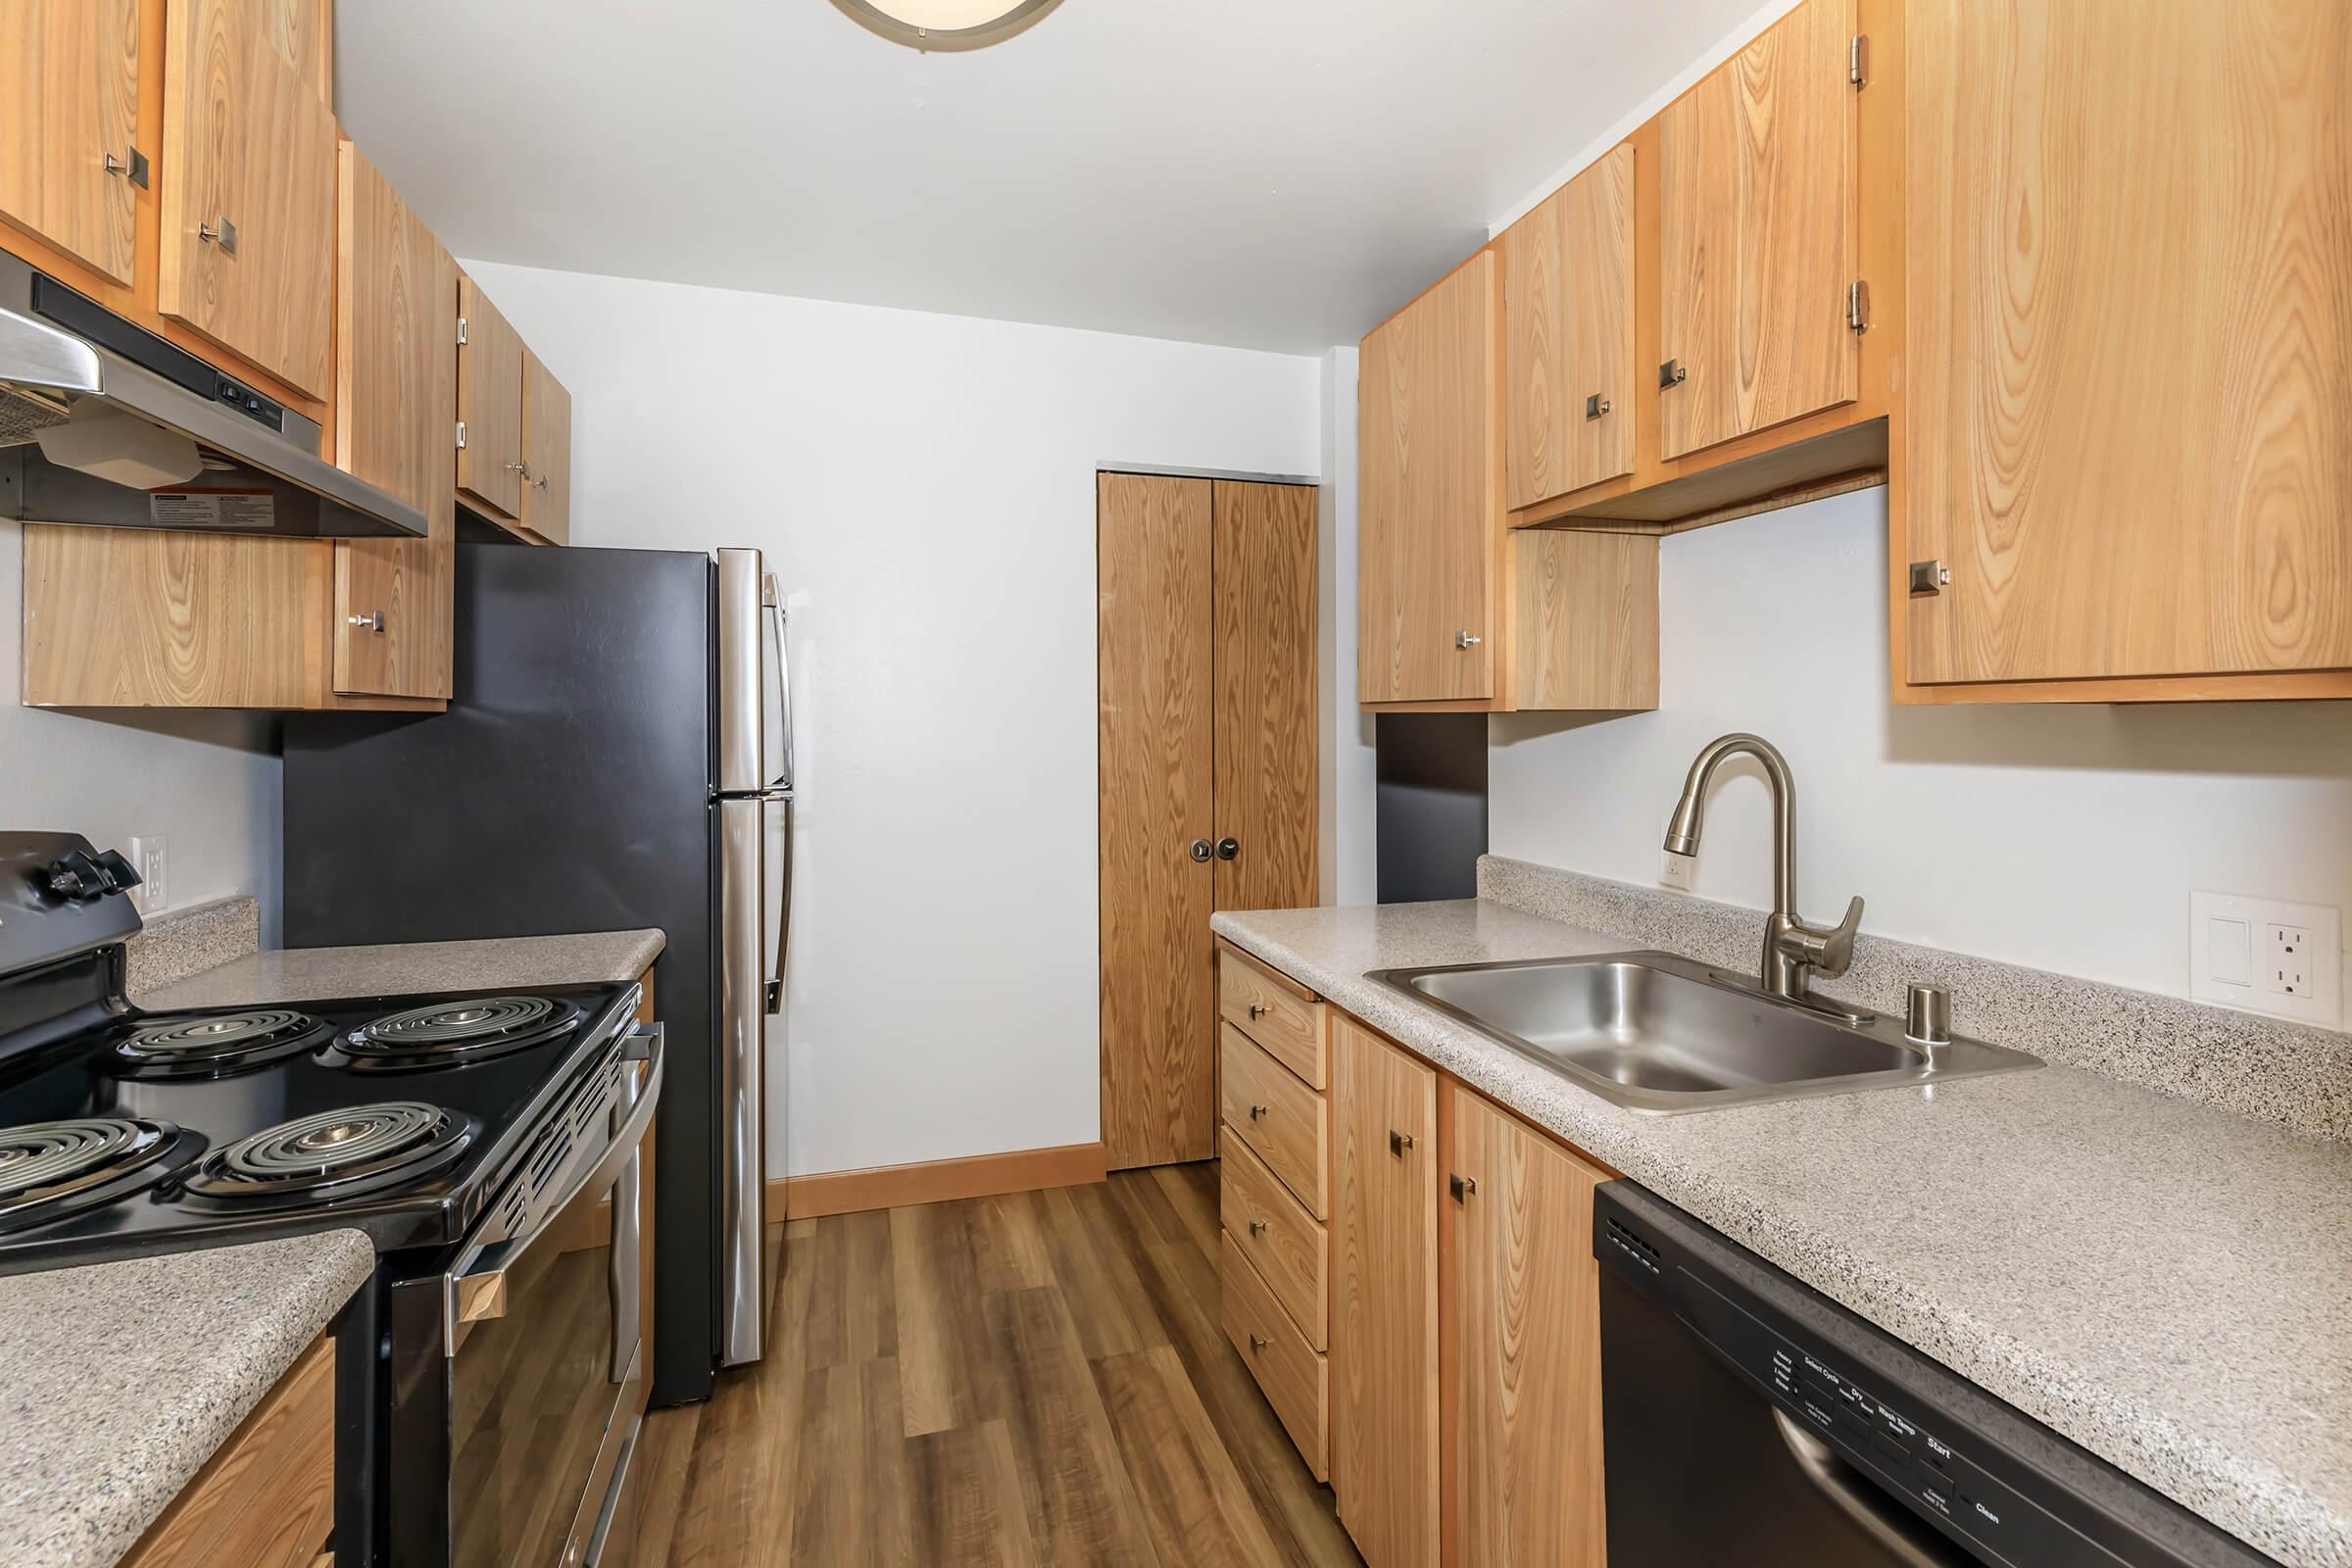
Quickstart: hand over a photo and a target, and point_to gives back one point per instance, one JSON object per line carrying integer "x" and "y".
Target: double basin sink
{"x": 1653, "y": 1032}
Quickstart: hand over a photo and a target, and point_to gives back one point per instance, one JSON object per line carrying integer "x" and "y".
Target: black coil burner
{"x": 50, "y": 1168}
{"x": 445, "y": 1033}
{"x": 337, "y": 1153}
{"x": 215, "y": 1044}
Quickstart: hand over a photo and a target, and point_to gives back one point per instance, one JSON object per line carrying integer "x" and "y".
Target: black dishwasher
{"x": 1751, "y": 1422}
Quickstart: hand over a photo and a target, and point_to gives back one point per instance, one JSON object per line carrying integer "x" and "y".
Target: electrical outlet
{"x": 1678, "y": 870}
{"x": 147, "y": 857}
{"x": 2267, "y": 956}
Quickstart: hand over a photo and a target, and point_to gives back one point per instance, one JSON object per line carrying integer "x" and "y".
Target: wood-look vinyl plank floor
{"x": 1032, "y": 1381}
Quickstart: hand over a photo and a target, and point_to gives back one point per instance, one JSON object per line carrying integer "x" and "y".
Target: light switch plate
{"x": 2267, "y": 956}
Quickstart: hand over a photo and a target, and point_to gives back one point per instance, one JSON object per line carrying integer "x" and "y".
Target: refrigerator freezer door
{"x": 742, "y": 673}
{"x": 741, "y": 1052}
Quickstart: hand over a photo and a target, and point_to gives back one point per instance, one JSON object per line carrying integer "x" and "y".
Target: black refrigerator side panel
{"x": 567, "y": 788}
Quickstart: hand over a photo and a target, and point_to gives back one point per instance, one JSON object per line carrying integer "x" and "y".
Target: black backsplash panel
{"x": 1430, "y": 811}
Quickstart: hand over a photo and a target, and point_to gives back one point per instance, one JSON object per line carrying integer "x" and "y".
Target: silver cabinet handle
{"x": 523, "y": 468}
{"x": 1463, "y": 639}
{"x": 372, "y": 621}
{"x": 540, "y": 482}
{"x": 223, "y": 233}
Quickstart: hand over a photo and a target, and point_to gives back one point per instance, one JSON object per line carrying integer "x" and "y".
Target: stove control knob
{"x": 76, "y": 875}
{"x": 121, "y": 876}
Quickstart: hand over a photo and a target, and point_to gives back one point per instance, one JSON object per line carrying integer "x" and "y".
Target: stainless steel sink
{"x": 1654, "y": 1032}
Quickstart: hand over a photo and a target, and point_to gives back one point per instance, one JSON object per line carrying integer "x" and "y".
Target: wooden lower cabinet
{"x": 267, "y": 1497}
{"x": 1525, "y": 1330}
{"x": 1384, "y": 1332}
{"x": 1459, "y": 1406}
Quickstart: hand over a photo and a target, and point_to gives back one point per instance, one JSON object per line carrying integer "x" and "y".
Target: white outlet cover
{"x": 2215, "y": 960}
{"x": 1678, "y": 870}
{"x": 149, "y": 857}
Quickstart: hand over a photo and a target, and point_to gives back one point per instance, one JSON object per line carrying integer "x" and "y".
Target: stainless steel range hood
{"x": 104, "y": 422}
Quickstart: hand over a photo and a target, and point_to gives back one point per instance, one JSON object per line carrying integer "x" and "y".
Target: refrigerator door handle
{"x": 776, "y": 976}
{"x": 773, "y": 611}
{"x": 741, "y": 1052}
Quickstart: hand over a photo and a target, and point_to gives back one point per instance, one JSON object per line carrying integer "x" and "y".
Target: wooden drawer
{"x": 1296, "y": 1379}
{"x": 1285, "y": 1123}
{"x": 1290, "y": 1249}
{"x": 267, "y": 1497}
{"x": 1277, "y": 1012}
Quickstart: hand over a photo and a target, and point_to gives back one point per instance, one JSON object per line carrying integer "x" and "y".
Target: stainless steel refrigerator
{"x": 618, "y": 753}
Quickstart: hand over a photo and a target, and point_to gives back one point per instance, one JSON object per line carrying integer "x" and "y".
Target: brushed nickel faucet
{"x": 1793, "y": 952}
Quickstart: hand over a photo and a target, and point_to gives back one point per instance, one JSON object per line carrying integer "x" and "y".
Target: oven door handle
{"x": 475, "y": 1290}
{"x": 1894, "y": 1531}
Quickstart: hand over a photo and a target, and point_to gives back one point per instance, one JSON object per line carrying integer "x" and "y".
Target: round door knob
{"x": 1201, "y": 851}
{"x": 1227, "y": 849}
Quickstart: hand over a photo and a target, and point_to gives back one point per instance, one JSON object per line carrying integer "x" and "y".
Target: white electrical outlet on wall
{"x": 2267, "y": 956}
{"x": 151, "y": 896}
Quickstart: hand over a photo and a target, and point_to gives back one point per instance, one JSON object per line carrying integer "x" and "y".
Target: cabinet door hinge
{"x": 460, "y": 435}
{"x": 1857, "y": 61}
{"x": 461, "y": 332}
{"x": 1857, "y": 306}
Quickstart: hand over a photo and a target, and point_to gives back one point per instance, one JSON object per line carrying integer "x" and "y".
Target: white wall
{"x": 2064, "y": 836}
{"x": 1346, "y": 861}
{"x": 924, "y": 487}
{"x": 208, "y": 780}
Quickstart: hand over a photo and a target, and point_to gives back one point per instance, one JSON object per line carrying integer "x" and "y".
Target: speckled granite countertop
{"x": 322, "y": 974}
{"x": 121, "y": 1379}
{"x": 2161, "y": 1282}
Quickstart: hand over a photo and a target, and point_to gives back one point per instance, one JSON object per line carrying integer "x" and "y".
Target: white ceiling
{"x": 1268, "y": 173}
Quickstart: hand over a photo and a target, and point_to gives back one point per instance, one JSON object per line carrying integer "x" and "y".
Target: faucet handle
{"x": 1836, "y": 949}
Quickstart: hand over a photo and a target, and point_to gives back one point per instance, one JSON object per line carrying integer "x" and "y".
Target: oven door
{"x": 517, "y": 1374}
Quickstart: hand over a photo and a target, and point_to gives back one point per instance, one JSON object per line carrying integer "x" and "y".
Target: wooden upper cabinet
{"x": 1431, "y": 500}
{"x": 1758, "y": 234}
{"x": 396, "y": 374}
{"x": 2129, "y": 254}
{"x": 68, "y": 110}
{"x": 546, "y": 453}
{"x": 1384, "y": 1331}
{"x": 248, "y": 224}
{"x": 489, "y": 407}
{"x": 1568, "y": 339}
{"x": 1526, "y": 1331}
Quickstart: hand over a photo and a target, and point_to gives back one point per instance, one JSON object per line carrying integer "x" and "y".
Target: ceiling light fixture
{"x": 935, "y": 24}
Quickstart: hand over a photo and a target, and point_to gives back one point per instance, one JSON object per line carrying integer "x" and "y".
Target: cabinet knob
{"x": 540, "y": 482}
{"x": 1463, "y": 1186}
{"x": 372, "y": 621}
{"x": 1595, "y": 406}
{"x": 1463, "y": 639}
{"x": 222, "y": 232}
{"x": 1257, "y": 1111}
{"x": 1259, "y": 1342}
{"x": 523, "y": 468}
{"x": 1673, "y": 373}
{"x": 1399, "y": 1143}
{"x": 1201, "y": 850}
{"x": 1227, "y": 849}
{"x": 1258, "y": 1010}
{"x": 1258, "y": 1227}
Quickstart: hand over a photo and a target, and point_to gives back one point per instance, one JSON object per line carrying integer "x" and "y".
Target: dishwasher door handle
{"x": 1881, "y": 1519}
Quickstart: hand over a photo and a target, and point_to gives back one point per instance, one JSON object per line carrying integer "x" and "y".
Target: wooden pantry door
{"x": 1264, "y": 577}
{"x": 1206, "y": 715}
{"x": 1155, "y": 777}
